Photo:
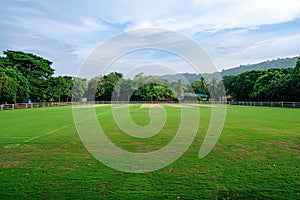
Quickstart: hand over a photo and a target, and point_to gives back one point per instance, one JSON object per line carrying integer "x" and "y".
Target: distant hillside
{"x": 278, "y": 63}
{"x": 175, "y": 77}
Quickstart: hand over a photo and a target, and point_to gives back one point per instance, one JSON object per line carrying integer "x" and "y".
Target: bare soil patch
{"x": 179, "y": 106}
{"x": 150, "y": 106}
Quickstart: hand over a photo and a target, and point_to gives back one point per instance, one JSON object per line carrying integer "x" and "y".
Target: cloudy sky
{"x": 232, "y": 32}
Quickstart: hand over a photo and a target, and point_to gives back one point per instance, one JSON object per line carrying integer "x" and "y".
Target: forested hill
{"x": 278, "y": 63}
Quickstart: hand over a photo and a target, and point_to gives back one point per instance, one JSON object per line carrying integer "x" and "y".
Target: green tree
{"x": 106, "y": 86}
{"x": 265, "y": 85}
{"x": 8, "y": 88}
{"x": 271, "y": 86}
{"x": 200, "y": 86}
{"x": 79, "y": 88}
{"x": 179, "y": 88}
{"x": 60, "y": 88}
{"x": 68, "y": 88}
{"x": 241, "y": 86}
{"x": 35, "y": 68}
{"x": 92, "y": 88}
{"x": 295, "y": 83}
{"x": 22, "y": 84}
{"x": 127, "y": 89}
{"x": 213, "y": 89}
{"x": 153, "y": 92}
{"x": 140, "y": 80}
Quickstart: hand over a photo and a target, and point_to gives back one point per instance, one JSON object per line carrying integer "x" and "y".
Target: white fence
{"x": 33, "y": 105}
{"x": 263, "y": 103}
{"x": 240, "y": 103}
{"x": 41, "y": 105}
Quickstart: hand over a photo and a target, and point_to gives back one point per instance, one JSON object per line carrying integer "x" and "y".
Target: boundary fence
{"x": 33, "y": 105}
{"x": 269, "y": 104}
{"x": 239, "y": 103}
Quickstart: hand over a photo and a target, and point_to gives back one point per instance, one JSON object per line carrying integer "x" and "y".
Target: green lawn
{"x": 256, "y": 157}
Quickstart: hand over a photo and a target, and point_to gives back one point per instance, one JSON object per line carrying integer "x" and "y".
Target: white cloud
{"x": 230, "y": 30}
{"x": 50, "y": 28}
{"x": 256, "y": 50}
{"x": 218, "y": 15}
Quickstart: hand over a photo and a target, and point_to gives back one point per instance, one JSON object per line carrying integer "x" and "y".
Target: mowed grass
{"x": 256, "y": 157}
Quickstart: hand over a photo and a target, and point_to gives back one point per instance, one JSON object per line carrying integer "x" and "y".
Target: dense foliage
{"x": 25, "y": 77}
{"x": 265, "y": 85}
{"x": 28, "y": 77}
{"x": 141, "y": 88}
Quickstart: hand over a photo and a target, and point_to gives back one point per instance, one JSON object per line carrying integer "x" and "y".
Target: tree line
{"x": 27, "y": 77}
{"x": 265, "y": 85}
{"x": 141, "y": 87}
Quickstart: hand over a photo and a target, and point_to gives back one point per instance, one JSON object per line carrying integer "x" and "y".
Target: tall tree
{"x": 20, "y": 82}
{"x": 265, "y": 85}
{"x": 213, "y": 89}
{"x": 271, "y": 86}
{"x": 79, "y": 89}
{"x": 153, "y": 92}
{"x": 92, "y": 88}
{"x": 127, "y": 89}
{"x": 8, "y": 88}
{"x": 35, "y": 68}
{"x": 241, "y": 86}
{"x": 295, "y": 82}
{"x": 140, "y": 80}
{"x": 203, "y": 88}
{"x": 60, "y": 88}
{"x": 179, "y": 88}
{"x": 106, "y": 86}
{"x": 200, "y": 86}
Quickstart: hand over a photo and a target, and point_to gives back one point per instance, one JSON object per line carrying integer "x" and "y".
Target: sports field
{"x": 256, "y": 157}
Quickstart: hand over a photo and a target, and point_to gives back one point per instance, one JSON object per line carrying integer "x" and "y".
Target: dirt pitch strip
{"x": 90, "y": 105}
{"x": 150, "y": 106}
{"x": 179, "y": 105}
{"x": 204, "y": 105}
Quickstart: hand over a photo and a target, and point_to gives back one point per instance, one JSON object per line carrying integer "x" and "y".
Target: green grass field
{"x": 256, "y": 157}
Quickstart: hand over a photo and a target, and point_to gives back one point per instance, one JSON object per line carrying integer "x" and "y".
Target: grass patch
{"x": 256, "y": 157}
